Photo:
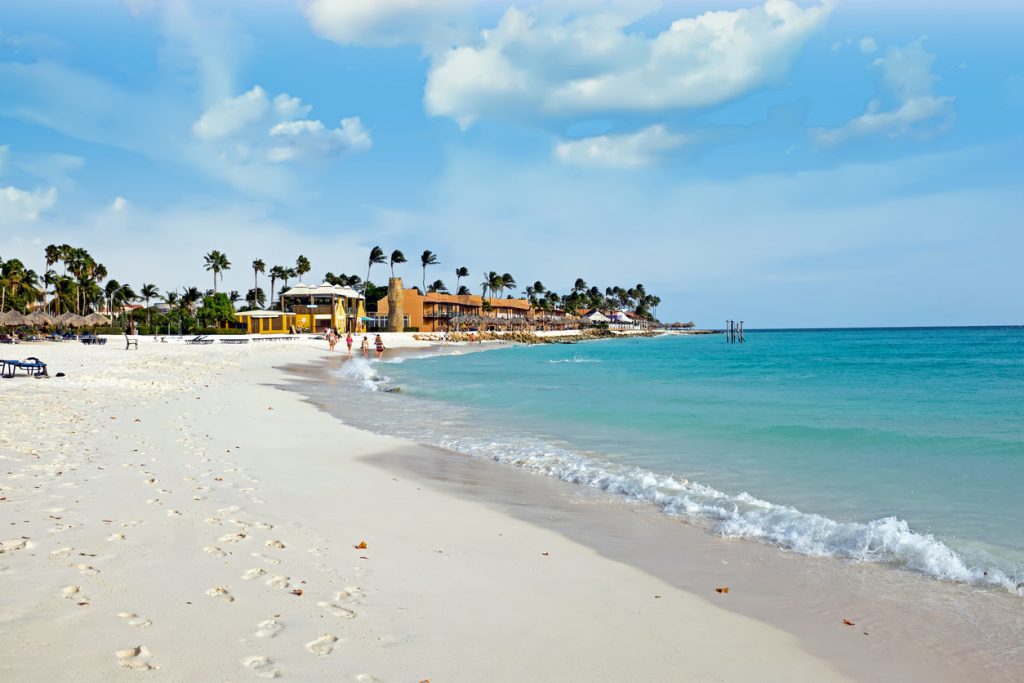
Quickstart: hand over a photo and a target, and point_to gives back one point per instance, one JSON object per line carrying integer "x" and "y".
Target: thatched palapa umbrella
{"x": 38, "y": 319}
{"x": 70, "y": 319}
{"x": 95, "y": 319}
{"x": 12, "y": 319}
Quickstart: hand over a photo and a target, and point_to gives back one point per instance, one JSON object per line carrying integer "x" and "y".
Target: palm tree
{"x": 302, "y": 266}
{"x": 256, "y": 296}
{"x": 14, "y": 279}
{"x": 258, "y": 266}
{"x": 580, "y": 285}
{"x": 376, "y": 256}
{"x": 148, "y": 292}
{"x": 490, "y": 279}
{"x": 460, "y": 272}
{"x": 655, "y": 300}
{"x": 463, "y": 290}
{"x": 276, "y": 273}
{"x": 190, "y": 299}
{"x": 396, "y": 257}
{"x": 171, "y": 298}
{"x": 288, "y": 273}
{"x": 437, "y": 286}
{"x": 507, "y": 282}
{"x": 217, "y": 262}
{"x": 52, "y": 254}
{"x": 428, "y": 258}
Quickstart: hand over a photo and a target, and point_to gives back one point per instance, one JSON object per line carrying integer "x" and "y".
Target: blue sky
{"x": 788, "y": 163}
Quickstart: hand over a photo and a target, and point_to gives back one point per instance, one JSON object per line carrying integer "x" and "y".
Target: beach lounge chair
{"x": 243, "y": 340}
{"x": 201, "y": 339}
{"x": 129, "y": 343}
{"x": 32, "y": 366}
{"x": 7, "y": 339}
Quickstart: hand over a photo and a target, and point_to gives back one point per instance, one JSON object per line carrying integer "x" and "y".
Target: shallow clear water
{"x": 897, "y": 446}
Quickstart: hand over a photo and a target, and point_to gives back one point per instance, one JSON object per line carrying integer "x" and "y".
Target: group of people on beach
{"x": 332, "y": 336}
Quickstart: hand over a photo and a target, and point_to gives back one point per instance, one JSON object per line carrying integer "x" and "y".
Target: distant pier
{"x": 734, "y": 332}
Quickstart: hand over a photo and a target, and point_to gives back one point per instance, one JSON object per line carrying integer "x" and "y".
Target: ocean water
{"x": 903, "y": 447}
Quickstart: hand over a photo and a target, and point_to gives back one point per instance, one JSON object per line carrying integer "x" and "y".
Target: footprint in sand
{"x": 133, "y": 619}
{"x": 254, "y": 573}
{"x": 268, "y": 628}
{"x": 323, "y": 645}
{"x": 16, "y": 544}
{"x": 57, "y": 554}
{"x": 337, "y": 610}
{"x": 75, "y": 593}
{"x": 263, "y": 667}
{"x": 135, "y": 658}
{"x": 266, "y": 558}
{"x": 173, "y": 513}
{"x": 115, "y": 537}
{"x": 86, "y": 569}
{"x": 233, "y": 538}
{"x": 278, "y": 582}
{"x": 214, "y": 550}
{"x": 275, "y": 544}
{"x": 351, "y": 594}
{"x": 221, "y": 593}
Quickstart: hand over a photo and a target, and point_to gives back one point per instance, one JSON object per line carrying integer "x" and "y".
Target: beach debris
{"x": 361, "y": 546}
{"x": 722, "y": 589}
{"x": 847, "y": 622}
{"x": 657, "y": 596}
{"x": 297, "y": 591}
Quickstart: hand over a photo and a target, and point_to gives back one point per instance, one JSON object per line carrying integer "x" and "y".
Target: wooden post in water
{"x": 742, "y": 340}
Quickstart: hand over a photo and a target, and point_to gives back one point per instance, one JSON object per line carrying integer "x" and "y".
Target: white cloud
{"x": 907, "y": 76}
{"x": 248, "y": 129}
{"x": 311, "y": 139}
{"x": 541, "y": 65}
{"x": 868, "y": 45}
{"x": 632, "y": 150}
{"x": 231, "y": 115}
{"x": 389, "y": 22}
{"x": 119, "y": 204}
{"x": 18, "y": 206}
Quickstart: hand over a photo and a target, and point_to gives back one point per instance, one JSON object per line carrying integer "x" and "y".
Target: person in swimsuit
{"x": 365, "y": 347}
{"x": 348, "y": 342}
{"x": 379, "y": 345}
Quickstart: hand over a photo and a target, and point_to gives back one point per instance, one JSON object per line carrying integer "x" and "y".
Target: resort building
{"x": 309, "y": 309}
{"x": 436, "y": 312}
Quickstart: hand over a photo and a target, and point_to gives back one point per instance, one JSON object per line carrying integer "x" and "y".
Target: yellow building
{"x": 435, "y": 312}
{"x": 310, "y": 309}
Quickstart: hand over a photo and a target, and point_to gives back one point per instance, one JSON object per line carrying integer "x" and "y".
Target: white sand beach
{"x": 170, "y": 514}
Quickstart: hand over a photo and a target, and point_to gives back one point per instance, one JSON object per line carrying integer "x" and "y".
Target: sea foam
{"x": 888, "y": 540}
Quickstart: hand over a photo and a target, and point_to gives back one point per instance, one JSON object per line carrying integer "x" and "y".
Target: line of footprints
{"x": 139, "y": 657}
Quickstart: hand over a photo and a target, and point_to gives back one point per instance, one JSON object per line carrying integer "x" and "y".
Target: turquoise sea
{"x": 898, "y": 446}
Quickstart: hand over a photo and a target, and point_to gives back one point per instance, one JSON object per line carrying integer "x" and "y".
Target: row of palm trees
{"x": 76, "y": 286}
{"x": 494, "y": 285}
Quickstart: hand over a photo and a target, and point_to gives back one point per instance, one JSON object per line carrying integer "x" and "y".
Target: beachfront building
{"x": 304, "y": 308}
{"x": 437, "y": 312}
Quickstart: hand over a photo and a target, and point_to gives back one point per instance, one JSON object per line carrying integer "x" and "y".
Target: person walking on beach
{"x": 348, "y": 342}
{"x": 378, "y": 343}
{"x": 332, "y": 338}
{"x": 365, "y": 347}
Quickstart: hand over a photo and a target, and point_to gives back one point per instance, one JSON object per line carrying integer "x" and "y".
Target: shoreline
{"x": 164, "y": 482}
{"x": 891, "y": 602}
